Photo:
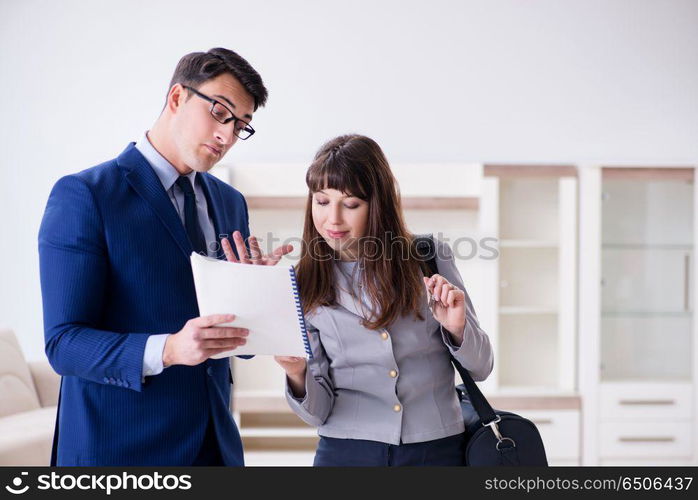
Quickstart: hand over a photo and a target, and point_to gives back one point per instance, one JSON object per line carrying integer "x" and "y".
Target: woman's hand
{"x": 257, "y": 257}
{"x": 447, "y": 304}
{"x": 295, "y": 368}
{"x": 292, "y": 365}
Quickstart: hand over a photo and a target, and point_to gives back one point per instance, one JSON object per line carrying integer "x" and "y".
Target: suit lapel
{"x": 142, "y": 178}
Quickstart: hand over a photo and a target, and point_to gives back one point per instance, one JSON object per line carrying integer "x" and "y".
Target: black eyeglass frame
{"x": 247, "y": 128}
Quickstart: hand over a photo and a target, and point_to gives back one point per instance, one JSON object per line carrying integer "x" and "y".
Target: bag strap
{"x": 426, "y": 250}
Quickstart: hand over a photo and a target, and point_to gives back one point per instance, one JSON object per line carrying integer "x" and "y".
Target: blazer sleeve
{"x": 317, "y": 404}
{"x": 74, "y": 264}
{"x": 475, "y": 353}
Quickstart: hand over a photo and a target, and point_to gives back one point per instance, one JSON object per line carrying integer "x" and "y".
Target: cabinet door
{"x": 646, "y": 347}
{"x": 646, "y": 280}
{"x": 655, "y": 212}
{"x": 646, "y": 286}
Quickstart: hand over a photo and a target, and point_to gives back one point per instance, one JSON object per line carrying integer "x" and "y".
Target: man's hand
{"x": 257, "y": 257}
{"x": 200, "y": 339}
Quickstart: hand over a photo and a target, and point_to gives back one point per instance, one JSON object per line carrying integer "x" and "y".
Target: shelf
{"x": 276, "y": 202}
{"x": 533, "y": 399}
{"x": 439, "y": 203}
{"x": 649, "y": 173}
{"x": 642, "y": 246}
{"x": 524, "y": 310}
{"x": 517, "y": 243}
{"x": 528, "y": 171}
{"x": 646, "y": 314}
{"x": 408, "y": 202}
{"x": 278, "y": 432}
{"x": 277, "y": 458}
{"x": 506, "y": 397}
{"x": 644, "y": 379}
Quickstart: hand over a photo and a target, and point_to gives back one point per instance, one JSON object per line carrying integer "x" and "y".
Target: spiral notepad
{"x": 264, "y": 299}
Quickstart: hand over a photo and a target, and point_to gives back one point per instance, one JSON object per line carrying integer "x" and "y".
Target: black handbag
{"x": 493, "y": 437}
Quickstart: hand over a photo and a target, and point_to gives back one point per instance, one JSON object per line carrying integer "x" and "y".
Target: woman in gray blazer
{"x": 379, "y": 384}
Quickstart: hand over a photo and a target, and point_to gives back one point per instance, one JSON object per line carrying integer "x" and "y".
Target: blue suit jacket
{"x": 115, "y": 269}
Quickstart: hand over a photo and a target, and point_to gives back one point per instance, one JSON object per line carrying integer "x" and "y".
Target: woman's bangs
{"x": 343, "y": 176}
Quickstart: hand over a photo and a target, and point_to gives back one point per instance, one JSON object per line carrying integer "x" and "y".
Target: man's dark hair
{"x": 199, "y": 67}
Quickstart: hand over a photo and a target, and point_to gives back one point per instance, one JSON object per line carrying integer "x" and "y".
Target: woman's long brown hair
{"x": 391, "y": 272}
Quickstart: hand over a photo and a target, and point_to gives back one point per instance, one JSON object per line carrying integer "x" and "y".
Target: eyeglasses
{"x": 222, "y": 114}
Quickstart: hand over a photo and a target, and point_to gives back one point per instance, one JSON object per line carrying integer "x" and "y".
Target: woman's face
{"x": 341, "y": 219}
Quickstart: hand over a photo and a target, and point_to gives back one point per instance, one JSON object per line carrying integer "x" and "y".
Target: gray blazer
{"x": 394, "y": 385}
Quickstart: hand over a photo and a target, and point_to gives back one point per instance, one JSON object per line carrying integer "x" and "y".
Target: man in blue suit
{"x": 120, "y": 311}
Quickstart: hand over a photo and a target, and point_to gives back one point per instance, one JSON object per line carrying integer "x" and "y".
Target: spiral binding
{"x": 299, "y": 312}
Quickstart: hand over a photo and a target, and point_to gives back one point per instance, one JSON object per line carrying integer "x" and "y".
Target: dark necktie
{"x": 191, "y": 220}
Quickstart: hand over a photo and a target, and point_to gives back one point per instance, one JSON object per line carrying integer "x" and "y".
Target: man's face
{"x": 200, "y": 139}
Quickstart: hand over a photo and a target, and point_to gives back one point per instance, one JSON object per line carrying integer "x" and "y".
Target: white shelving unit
{"x": 639, "y": 358}
{"x": 532, "y": 212}
{"x": 530, "y": 312}
{"x": 588, "y": 299}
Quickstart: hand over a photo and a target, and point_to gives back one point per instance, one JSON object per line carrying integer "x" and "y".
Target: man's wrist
{"x": 167, "y": 352}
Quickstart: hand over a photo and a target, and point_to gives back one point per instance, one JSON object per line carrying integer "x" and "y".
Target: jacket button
{"x": 106, "y": 380}
{"x": 209, "y": 371}
{"x": 112, "y": 380}
{"x": 397, "y": 408}
{"x": 125, "y": 384}
{"x": 384, "y": 335}
{"x": 393, "y": 373}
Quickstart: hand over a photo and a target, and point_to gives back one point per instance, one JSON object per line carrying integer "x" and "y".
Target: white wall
{"x": 467, "y": 81}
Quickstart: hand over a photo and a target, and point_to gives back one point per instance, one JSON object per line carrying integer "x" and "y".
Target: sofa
{"x": 28, "y": 399}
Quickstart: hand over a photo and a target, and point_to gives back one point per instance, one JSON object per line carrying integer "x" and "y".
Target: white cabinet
{"x": 529, "y": 312}
{"x": 588, "y": 296}
{"x": 531, "y": 212}
{"x": 637, "y": 234}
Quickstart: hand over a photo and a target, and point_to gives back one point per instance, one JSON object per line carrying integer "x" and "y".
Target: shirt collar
{"x": 165, "y": 171}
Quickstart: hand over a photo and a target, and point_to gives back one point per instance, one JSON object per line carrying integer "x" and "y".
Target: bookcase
{"x": 529, "y": 313}
{"x": 531, "y": 211}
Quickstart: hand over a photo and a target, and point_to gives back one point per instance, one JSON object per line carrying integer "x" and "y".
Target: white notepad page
{"x": 262, "y": 298}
